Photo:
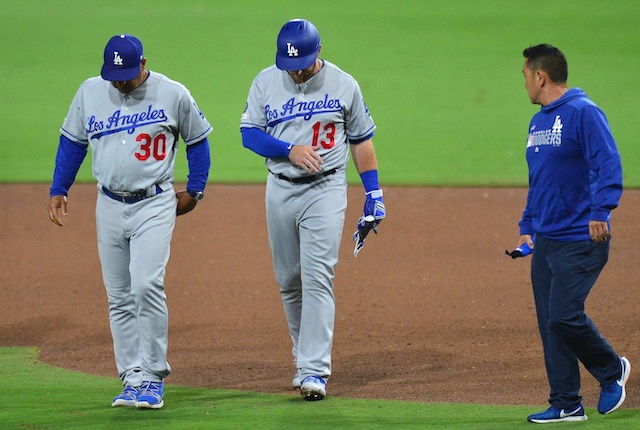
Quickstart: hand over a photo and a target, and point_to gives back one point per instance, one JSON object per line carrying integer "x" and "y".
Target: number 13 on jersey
{"x": 323, "y": 136}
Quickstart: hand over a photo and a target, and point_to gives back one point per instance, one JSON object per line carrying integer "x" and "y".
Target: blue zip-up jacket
{"x": 575, "y": 173}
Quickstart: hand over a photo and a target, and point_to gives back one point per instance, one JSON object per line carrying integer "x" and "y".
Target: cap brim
{"x": 295, "y": 63}
{"x": 119, "y": 74}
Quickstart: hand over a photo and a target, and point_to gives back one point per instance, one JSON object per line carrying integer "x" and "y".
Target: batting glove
{"x": 372, "y": 214}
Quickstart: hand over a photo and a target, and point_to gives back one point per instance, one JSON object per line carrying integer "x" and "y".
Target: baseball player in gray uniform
{"x": 303, "y": 115}
{"x": 132, "y": 119}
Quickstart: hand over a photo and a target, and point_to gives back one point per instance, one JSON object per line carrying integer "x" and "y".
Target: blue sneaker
{"x": 313, "y": 388}
{"x": 150, "y": 395}
{"x": 612, "y": 395}
{"x": 128, "y": 397}
{"x": 555, "y": 415}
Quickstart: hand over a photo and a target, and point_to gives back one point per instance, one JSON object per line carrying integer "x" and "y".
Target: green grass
{"x": 442, "y": 78}
{"x": 39, "y": 396}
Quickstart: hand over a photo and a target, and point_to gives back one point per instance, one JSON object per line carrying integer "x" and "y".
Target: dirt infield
{"x": 431, "y": 310}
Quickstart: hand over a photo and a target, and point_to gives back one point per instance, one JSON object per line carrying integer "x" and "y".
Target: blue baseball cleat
{"x": 150, "y": 395}
{"x": 313, "y": 388}
{"x": 128, "y": 397}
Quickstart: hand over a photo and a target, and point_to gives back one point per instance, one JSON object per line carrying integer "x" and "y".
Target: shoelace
{"x": 316, "y": 379}
{"x": 151, "y": 386}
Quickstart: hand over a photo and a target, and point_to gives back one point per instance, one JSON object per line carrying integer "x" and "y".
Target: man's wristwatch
{"x": 196, "y": 195}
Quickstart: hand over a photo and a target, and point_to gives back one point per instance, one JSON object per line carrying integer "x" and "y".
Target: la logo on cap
{"x": 117, "y": 59}
{"x": 291, "y": 50}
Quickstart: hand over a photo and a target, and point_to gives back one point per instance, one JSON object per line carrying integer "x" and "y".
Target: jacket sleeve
{"x": 604, "y": 161}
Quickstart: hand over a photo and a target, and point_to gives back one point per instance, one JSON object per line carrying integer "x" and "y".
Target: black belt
{"x": 306, "y": 179}
{"x": 130, "y": 198}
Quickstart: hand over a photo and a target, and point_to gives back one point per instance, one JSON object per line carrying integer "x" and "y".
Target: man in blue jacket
{"x": 575, "y": 181}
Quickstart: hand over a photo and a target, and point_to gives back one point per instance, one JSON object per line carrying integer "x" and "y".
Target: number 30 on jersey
{"x": 151, "y": 146}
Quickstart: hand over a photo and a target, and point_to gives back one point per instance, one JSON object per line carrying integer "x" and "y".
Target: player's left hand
{"x": 186, "y": 203}
{"x": 372, "y": 214}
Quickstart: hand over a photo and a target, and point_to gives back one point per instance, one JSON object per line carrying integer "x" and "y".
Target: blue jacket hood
{"x": 571, "y": 94}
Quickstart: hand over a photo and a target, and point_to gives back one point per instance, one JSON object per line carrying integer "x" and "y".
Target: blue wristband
{"x": 370, "y": 180}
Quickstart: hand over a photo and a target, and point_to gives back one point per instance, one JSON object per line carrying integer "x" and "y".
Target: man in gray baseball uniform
{"x": 305, "y": 116}
{"x": 133, "y": 118}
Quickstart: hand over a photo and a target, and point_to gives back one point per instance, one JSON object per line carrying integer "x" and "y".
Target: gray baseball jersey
{"x": 134, "y": 139}
{"x": 325, "y": 112}
{"x": 305, "y": 220}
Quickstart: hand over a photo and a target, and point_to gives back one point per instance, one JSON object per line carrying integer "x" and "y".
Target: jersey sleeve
{"x": 73, "y": 126}
{"x": 193, "y": 125}
{"x": 254, "y": 111}
{"x": 360, "y": 125}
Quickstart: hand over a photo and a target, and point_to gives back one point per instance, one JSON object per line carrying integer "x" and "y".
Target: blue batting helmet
{"x": 298, "y": 45}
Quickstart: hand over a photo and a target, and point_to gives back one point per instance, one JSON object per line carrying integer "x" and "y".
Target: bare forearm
{"x": 364, "y": 156}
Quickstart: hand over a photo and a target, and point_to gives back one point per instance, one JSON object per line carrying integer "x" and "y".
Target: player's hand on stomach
{"x": 306, "y": 158}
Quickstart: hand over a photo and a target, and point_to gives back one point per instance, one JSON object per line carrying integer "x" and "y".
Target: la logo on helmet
{"x": 117, "y": 59}
{"x": 291, "y": 50}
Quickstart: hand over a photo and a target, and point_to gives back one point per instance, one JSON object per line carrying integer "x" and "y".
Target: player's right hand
{"x": 306, "y": 158}
{"x": 185, "y": 204}
{"x": 526, "y": 238}
{"x": 55, "y": 204}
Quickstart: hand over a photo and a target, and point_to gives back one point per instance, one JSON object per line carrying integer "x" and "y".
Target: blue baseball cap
{"x": 298, "y": 45}
{"x": 122, "y": 58}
